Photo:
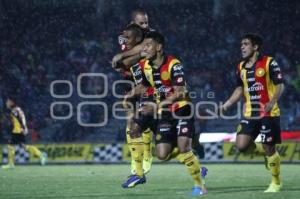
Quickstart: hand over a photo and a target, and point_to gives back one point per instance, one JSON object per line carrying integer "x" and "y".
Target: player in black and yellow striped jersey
{"x": 131, "y": 37}
{"x": 260, "y": 81}
{"x": 175, "y": 123}
{"x": 18, "y": 133}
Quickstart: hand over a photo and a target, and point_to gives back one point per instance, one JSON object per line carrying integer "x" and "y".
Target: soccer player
{"x": 260, "y": 81}
{"x": 19, "y": 131}
{"x": 132, "y": 36}
{"x": 132, "y": 56}
{"x": 175, "y": 124}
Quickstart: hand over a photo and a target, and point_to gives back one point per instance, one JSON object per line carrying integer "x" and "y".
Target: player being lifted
{"x": 260, "y": 81}
{"x": 175, "y": 124}
{"x": 18, "y": 133}
{"x": 132, "y": 37}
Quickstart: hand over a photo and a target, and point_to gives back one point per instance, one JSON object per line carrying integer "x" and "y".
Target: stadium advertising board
{"x": 289, "y": 151}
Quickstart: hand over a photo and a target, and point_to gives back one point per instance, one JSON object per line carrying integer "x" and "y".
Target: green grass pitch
{"x": 165, "y": 181}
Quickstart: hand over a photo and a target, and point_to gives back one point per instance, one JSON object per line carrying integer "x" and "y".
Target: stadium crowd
{"x": 41, "y": 45}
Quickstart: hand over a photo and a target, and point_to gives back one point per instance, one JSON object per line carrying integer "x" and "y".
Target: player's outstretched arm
{"x": 129, "y": 61}
{"x": 132, "y": 52}
{"x": 236, "y": 95}
{"x": 279, "y": 88}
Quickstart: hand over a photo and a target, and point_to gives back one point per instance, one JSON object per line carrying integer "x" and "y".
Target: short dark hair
{"x": 156, "y": 36}
{"x": 255, "y": 39}
{"x": 12, "y": 98}
{"x": 136, "y": 12}
{"x": 136, "y": 30}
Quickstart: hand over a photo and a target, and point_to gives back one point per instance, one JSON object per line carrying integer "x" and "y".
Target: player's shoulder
{"x": 269, "y": 61}
{"x": 272, "y": 61}
{"x": 172, "y": 60}
{"x": 16, "y": 110}
{"x": 174, "y": 63}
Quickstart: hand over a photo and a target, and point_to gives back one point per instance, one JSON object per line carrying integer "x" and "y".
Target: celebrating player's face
{"x": 247, "y": 48}
{"x": 131, "y": 40}
{"x": 150, "y": 48}
{"x": 142, "y": 21}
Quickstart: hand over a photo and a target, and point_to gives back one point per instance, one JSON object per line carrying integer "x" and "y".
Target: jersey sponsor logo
{"x": 157, "y": 82}
{"x": 260, "y": 72}
{"x": 255, "y": 97}
{"x": 252, "y": 79}
{"x": 279, "y": 76}
{"x": 256, "y": 87}
{"x": 178, "y": 73}
{"x": 177, "y": 67}
{"x": 164, "y": 89}
{"x": 137, "y": 72}
{"x": 277, "y": 69}
{"x": 274, "y": 63}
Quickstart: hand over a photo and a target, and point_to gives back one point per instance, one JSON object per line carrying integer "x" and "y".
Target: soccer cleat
{"x": 204, "y": 171}
{"x": 147, "y": 165}
{"x": 43, "y": 158}
{"x": 134, "y": 180}
{"x": 273, "y": 188}
{"x": 198, "y": 191}
{"x": 8, "y": 166}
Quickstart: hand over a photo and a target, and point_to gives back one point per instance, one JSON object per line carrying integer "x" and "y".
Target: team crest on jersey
{"x": 165, "y": 75}
{"x": 260, "y": 72}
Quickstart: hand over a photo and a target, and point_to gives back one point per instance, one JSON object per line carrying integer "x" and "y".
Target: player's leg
{"x": 136, "y": 147}
{"x": 147, "y": 158}
{"x": 192, "y": 164}
{"x": 14, "y": 139}
{"x": 185, "y": 131}
{"x": 270, "y": 132}
{"x": 163, "y": 151}
{"x": 165, "y": 140}
{"x": 247, "y": 132}
{"x": 32, "y": 150}
{"x": 11, "y": 157}
{"x": 36, "y": 152}
{"x": 129, "y": 123}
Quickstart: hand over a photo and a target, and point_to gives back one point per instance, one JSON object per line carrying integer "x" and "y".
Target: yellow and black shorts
{"x": 17, "y": 138}
{"x": 267, "y": 127}
{"x": 169, "y": 128}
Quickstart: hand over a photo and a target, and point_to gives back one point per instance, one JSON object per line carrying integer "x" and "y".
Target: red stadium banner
{"x": 290, "y": 135}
